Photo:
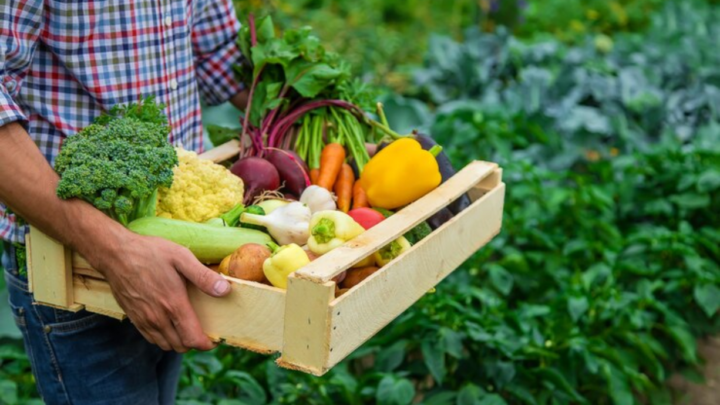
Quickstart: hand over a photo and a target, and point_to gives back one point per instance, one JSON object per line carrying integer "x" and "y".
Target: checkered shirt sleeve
{"x": 214, "y": 33}
{"x": 20, "y": 25}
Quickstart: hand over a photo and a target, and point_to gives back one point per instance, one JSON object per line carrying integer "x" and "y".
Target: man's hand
{"x": 147, "y": 275}
{"x": 148, "y": 279}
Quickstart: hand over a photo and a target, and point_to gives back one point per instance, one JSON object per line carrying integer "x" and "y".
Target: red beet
{"x": 258, "y": 175}
{"x": 291, "y": 168}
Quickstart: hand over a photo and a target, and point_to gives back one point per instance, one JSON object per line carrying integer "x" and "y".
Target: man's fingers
{"x": 188, "y": 326}
{"x": 206, "y": 280}
{"x": 167, "y": 329}
{"x": 155, "y": 337}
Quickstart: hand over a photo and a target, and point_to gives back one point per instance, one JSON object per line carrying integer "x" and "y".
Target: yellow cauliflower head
{"x": 200, "y": 190}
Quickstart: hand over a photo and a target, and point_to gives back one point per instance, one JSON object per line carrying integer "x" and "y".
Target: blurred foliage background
{"x": 605, "y": 118}
{"x": 383, "y": 39}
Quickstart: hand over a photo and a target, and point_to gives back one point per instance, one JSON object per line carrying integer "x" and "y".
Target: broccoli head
{"x": 118, "y": 162}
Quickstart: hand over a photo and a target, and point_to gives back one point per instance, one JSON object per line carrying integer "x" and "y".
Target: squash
{"x": 210, "y": 244}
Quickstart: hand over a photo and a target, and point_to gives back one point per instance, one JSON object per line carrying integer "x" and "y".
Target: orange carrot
{"x": 344, "y": 187}
{"x": 359, "y": 197}
{"x": 314, "y": 173}
{"x": 331, "y": 160}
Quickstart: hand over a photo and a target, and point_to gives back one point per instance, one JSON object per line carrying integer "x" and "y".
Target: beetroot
{"x": 291, "y": 168}
{"x": 257, "y": 175}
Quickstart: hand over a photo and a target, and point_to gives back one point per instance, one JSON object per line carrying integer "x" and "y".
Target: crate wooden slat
{"x": 311, "y": 328}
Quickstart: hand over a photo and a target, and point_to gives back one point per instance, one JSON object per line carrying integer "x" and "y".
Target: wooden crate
{"x": 311, "y": 328}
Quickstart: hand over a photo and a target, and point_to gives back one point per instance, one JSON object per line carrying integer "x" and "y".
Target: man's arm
{"x": 240, "y": 99}
{"x": 146, "y": 274}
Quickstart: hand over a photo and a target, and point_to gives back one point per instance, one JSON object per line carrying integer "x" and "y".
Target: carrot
{"x": 314, "y": 173}
{"x": 359, "y": 197}
{"x": 331, "y": 160}
{"x": 344, "y": 187}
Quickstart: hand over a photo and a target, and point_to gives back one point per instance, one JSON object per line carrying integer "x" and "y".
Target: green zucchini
{"x": 209, "y": 243}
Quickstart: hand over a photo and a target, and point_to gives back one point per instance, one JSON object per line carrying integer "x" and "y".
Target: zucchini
{"x": 209, "y": 243}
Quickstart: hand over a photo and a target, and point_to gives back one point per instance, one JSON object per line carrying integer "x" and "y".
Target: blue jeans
{"x": 86, "y": 358}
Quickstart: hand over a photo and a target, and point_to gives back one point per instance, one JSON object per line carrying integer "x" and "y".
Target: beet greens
{"x": 301, "y": 96}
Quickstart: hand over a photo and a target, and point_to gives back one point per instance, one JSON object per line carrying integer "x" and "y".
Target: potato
{"x": 355, "y": 276}
{"x": 223, "y": 267}
{"x": 246, "y": 263}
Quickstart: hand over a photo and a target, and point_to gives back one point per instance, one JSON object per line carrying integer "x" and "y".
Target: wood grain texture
{"x": 487, "y": 184}
{"x": 361, "y": 312}
{"x": 222, "y": 152}
{"x": 333, "y": 263}
{"x": 51, "y": 269}
{"x": 251, "y": 316}
{"x": 82, "y": 267}
{"x": 96, "y": 296}
{"x": 307, "y": 326}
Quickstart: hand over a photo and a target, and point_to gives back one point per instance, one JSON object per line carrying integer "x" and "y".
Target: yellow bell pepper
{"x": 330, "y": 229}
{"x": 391, "y": 251}
{"x": 284, "y": 260}
{"x": 400, "y": 174}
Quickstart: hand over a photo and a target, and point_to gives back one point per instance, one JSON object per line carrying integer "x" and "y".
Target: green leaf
{"x": 691, "y": 200}
{"x": 618, "y": 386}
{"x": 452, "y": 342}
{"x": 8, "y": 392}
{"x": 500, "y": 278}
{"x": 404, "y": 392}
{"x": 469, "y": 395}
{"x": 708, "y": 181}
{"x": 685, "y": 340}
{"x": 522, "y": 393}
{"x": 392, "y": 391}
{"x": 559, "y": 381}
{"x": 265, "y": 29}
{"x": 492, "y": 399}
{"x": 8, "y": 328}
{"x": 308, "y": 45}
{"x": 440, "y": 398}
{"x": 250, "y": 391}
{"x": 707, "y": 297}
{"x": 434, "y": 357}
{"x": 310, "y": 78}
{"x": 220, "y": 135}
{"x": 275, "y": 51}
{"x": 264, "y": 98}
{"x": 577, "y": 306}
{"x": 392, "y": 357}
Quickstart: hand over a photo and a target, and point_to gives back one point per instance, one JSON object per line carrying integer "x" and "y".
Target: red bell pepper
{"x": 366, "y": 217}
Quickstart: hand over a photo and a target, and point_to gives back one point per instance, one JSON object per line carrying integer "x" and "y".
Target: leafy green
{"x": 124, "y": 189}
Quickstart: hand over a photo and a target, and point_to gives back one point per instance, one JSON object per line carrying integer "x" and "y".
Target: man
{"x": 61, "y": 64}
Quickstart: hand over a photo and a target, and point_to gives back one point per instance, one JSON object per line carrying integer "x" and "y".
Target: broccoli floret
{"x": 118, "y": 162}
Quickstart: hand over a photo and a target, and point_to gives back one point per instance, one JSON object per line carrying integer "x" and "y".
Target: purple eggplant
{"x": 446, "y": 171}
{"x": 439, "y": 218}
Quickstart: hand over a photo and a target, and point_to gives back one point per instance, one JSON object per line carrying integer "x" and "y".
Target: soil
{"x": 708, "y": 392}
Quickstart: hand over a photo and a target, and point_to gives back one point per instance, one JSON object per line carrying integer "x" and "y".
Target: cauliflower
{"x": 200, "y": 190}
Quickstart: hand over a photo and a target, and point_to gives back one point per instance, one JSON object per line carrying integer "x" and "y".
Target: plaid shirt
{"x": 64, "y": 62}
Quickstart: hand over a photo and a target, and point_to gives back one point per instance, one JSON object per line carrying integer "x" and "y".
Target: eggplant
{"x": 446, "y": 171}
{"x": 439, "y": 218}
